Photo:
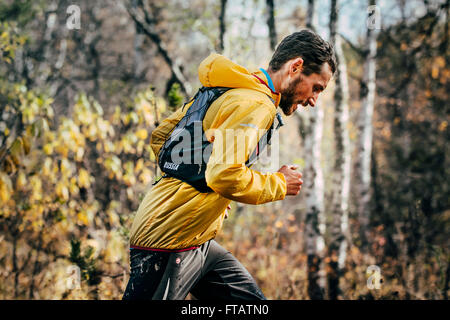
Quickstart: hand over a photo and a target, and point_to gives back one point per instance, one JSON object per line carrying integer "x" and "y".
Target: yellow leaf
{"x": 79, "y": 154}
{"x": 126, "y": 180}
{"x": 142, "y": 134}
{"x": 48, "y": 149}
{"x": 62, "y": 191}
{"x": 261, "y": 274}
{"x": 83, "y": 218}
{"x": 21, "y": 180}
{"x": 128, "y": 166}
{"x": 434, "y": 72}
{"x": 103, "y": 127}
{"x": 62, "y": 150}
{"x": 113, "y": 218}
{"x": 92, "y": 132}
{"x": 146, "y": 176}
{"x": 152, "y": 155}
{"x": 130, "y": 193}
{"x": 115, "y": 119}
{"x": 84, "y": 179}
{"x": 278, "y": 224}
{"x": 139, "y": 166}
{"x": 161, "y": 103}
{"x": 5, "y": 193}
{"x": 16, "y": 150}
{"x": 66, "y": 168}
{"x": 46, "y": 167}
{"x": 354, "y": 250}
{"x": 36, "y": 185}
{"x": 74, "y": 190}
{"x": 140, "y": 147}
{"x": 440, "y": 61}
{"x": 109, "y": 146}
{"x": 26, "y": 145}
{"x": 125, "y": 119}
{"x": 134, "y": 117}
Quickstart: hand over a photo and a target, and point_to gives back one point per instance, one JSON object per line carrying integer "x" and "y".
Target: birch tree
{"x": 222, "y": 25}
{"x": 311, "y": 123}
{"x": 271, "y": 24}
{"x": 311, "y": 19}
{"x": 341, "y": 170}
{"x": 139, "y": 38}
{"x": 364, "y": 147}
{"x": 143, "y": 19}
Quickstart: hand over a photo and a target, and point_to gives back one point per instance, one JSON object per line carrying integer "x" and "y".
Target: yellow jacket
{"x": 173, "y": 214}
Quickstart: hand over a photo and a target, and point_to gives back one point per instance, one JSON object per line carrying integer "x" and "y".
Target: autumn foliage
{"x": 66, "y": 180}
{"x": 74, "y": 168}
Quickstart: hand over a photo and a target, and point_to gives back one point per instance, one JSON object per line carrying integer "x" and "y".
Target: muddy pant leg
{"x": 225, "y": 278}
{"x": 183, "y": 271}
{"x": 164, "y": 275}
{"x": 147, "y": 270}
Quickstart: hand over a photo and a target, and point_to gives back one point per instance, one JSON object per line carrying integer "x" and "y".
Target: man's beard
{"x": 287, "y": 96}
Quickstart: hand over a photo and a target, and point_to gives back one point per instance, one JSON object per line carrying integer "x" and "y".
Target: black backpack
{"x": 192, "y": 157}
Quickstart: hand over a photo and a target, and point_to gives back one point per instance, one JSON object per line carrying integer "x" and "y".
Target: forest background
{"x": 84, "y": 83}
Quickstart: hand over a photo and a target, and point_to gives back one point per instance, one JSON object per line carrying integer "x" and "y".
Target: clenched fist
{"x": 293, "y": 179}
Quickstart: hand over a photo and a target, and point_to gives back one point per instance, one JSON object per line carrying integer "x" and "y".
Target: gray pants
{"x": 208, "y": 272}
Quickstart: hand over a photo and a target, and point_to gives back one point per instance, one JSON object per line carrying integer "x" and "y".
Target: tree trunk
{"x": 222, "y": 25}
{"x": 311, "y": 16}
{"x": 363, "y": 166}
{"x": 271, "y": 24}
{"x": 145, "y": 25}
{"x": 44, "y": 67}
{"x": 315, "y": 222}
{"x": 139, "y": 37}
{"x": 337, "y": 247}
{"x": 311, "y": 129}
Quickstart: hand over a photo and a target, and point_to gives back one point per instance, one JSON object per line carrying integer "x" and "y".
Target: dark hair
{"x": 309, "y": 46}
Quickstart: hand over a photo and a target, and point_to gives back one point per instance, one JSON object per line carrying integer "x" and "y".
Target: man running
{"x": 172, "y": 247}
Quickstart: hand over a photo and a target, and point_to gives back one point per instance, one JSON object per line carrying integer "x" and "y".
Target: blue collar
{"x": 269, "y": 80}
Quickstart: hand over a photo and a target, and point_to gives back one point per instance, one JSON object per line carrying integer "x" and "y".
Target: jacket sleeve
{"x": 239, "y": 129}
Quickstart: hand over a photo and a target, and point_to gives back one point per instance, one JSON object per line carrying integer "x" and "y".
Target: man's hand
{"x": 293, "y": 179}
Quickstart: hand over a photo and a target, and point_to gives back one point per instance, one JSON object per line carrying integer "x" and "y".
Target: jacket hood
{"x": 219, "y": 71}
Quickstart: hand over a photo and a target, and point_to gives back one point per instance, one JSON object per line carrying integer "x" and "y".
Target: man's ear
{"x": 296, "y": 65}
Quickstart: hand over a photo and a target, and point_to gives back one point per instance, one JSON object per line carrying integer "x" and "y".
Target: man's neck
{"x": 276, "y": 79}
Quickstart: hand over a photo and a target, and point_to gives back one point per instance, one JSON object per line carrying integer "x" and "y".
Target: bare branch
{"x": 359, "y": 51}
{"x": 143, "y": 23}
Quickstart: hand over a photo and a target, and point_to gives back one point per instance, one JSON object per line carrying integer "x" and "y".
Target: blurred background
{"x": 84, "y": 83}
